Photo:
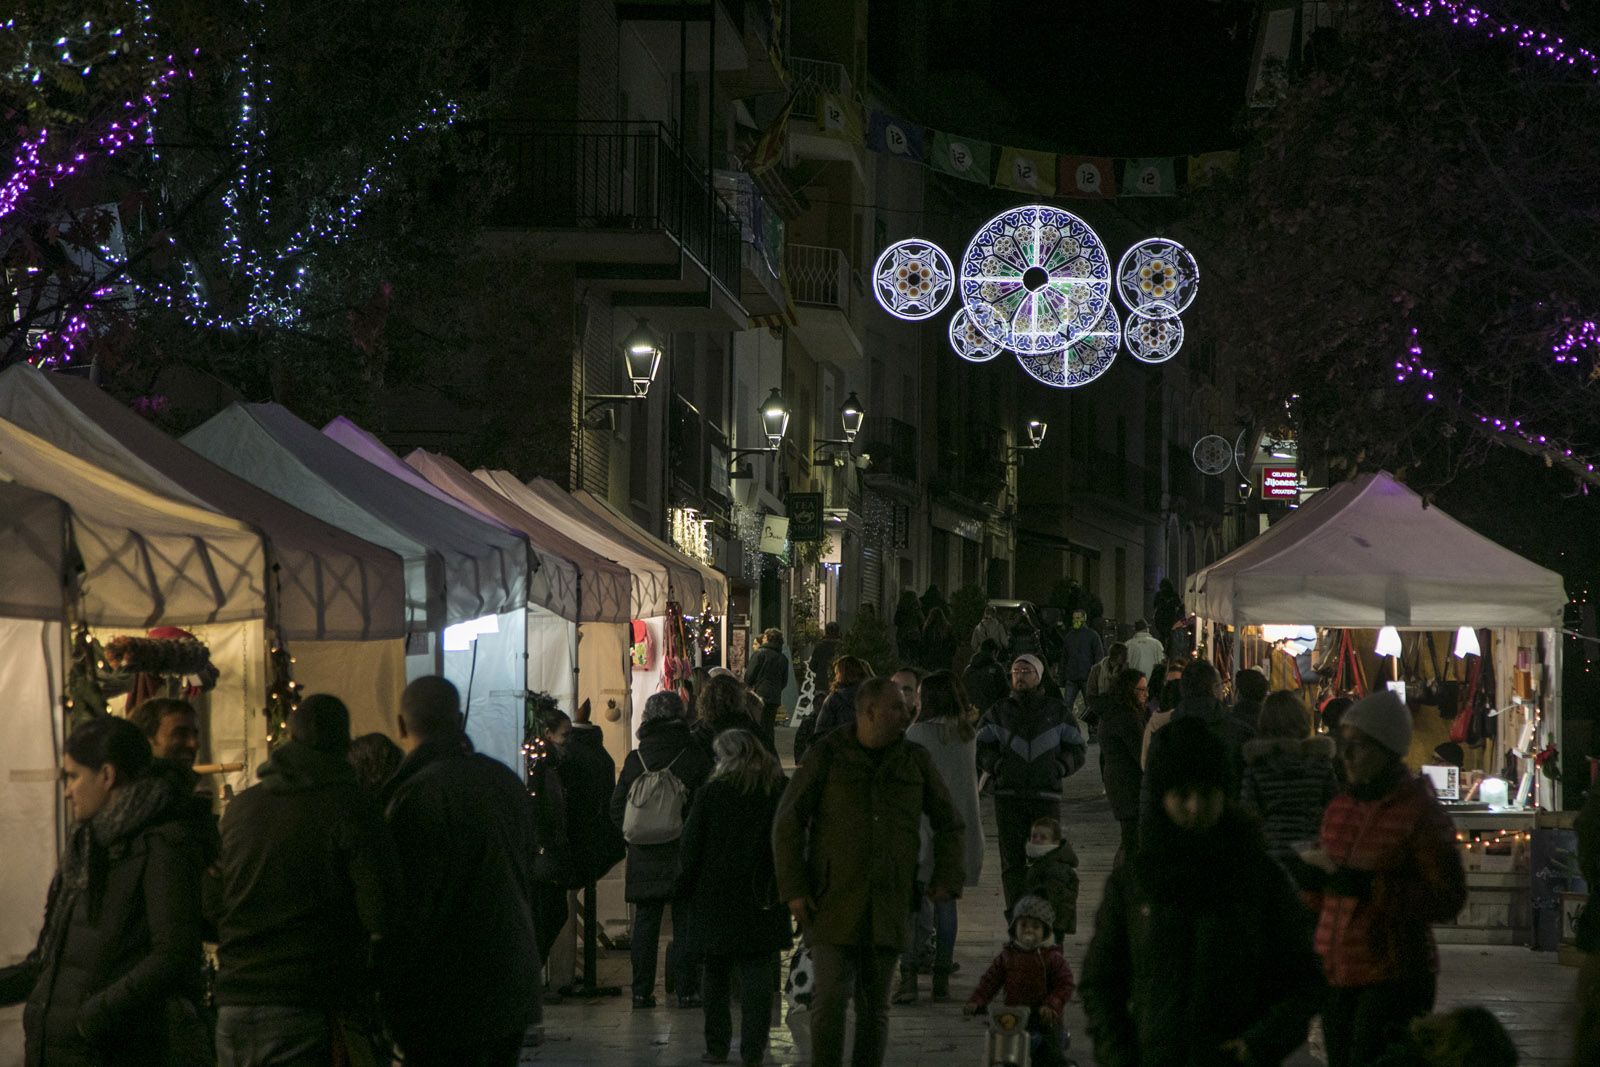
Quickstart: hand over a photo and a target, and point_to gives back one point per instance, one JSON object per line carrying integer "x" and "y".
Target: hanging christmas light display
{"x": 913, "y": 279}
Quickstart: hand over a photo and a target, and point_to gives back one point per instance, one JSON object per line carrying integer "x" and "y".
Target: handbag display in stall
{"x": 1349, "y": 678}
{"x": 1441, "y": 691}
{"x": 1470, "y": 725}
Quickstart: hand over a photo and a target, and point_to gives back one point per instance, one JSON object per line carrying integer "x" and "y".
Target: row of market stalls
{"x": 1366, "y": 586}
{"x": 290, "y": 553}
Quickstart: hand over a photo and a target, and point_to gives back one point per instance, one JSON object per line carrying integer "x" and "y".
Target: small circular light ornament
{"x": 1080, "y": 362}
{"x": 1155, "y": 340}
{"x": 1157, "y": 278}
{"x": 913, "y": 279}
{"x": 1212, "y": 454}
{"x": 1035, "y": 279}
{"x": 968, "y": 341}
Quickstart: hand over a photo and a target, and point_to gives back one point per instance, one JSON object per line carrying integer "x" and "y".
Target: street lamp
{"x": 641, "y": 357}
{"x": 774, "y": 423}
{"x": 1036, "y": 431}
{"x": 851, "y": 417}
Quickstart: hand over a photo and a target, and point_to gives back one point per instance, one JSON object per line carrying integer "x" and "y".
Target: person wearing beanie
{"x": 1027, "y": 743}
{"x": 666, "y": 746}
{"x": 1032, "y": 973}
{"x": 1389, "y": 869}
{"x": 1202, "y": 949}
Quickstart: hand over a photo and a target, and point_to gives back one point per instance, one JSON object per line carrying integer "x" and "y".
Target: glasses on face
{"x": 1023, "y": 668}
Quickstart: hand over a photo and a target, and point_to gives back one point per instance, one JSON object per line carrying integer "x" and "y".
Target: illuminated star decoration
{"x": 913, "y": 279}
{"x": 1550, "y": 47}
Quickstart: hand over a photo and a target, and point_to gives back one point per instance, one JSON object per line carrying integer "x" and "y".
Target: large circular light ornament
{"x": 968, "y": 341}
{"x": 1080, "y": 362}
{"x": 1155, "y": 340}
{"x": 913, "y": 279}
{"x": 1157, "y": 278}
{"x": 1035, "y": 279}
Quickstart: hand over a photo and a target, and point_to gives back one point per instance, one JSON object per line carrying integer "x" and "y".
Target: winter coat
{"x": 956, "y": 762}
{"x": 985, "y": 681}
{"x": 119, "y": 955}
{"x": 1144, "y": 652}
{"x": 823, "y": 653}
{"x": 1081, "y": 649}
{"x": 1399, "y": 872}
{"x": 309, "y": 879}
{"x": 1247, "y": 713}
{"x": 652, "y": 872}
{"x": 1200, "y": 940}
{"x": 1030, "y": 978}
{"x": 839, "y": 709}
{"x": 1121, "y": 741}
{"x": 1028, "y": 744}
{"x": 588, "y": 777}
{"x": 846, "y": 836}
{"x": 1231, "y": 732}
{"x": 464, "y": 957}
{"x": 1158, "y": 719}
{"x": 547, "y": 796}
{"x": 768, "y": 673}
{"x": 728, "y": 876}
{"x": 1588, "y": 827}
{"x": 1054, "y": 877}
{"x": 1288, "y": 783}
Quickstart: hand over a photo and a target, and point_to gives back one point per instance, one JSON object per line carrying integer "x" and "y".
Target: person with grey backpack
{"x": 655, "y": 787}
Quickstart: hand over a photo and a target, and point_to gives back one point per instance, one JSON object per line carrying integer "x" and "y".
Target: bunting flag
{"x": 1087, "y": 177}
{"x": 959, "y": 157}
{"x": 836, "y": 117}
{"x": 1149, "y": 176}
{"x": 1208, "y": 166}
{"x": 894, "y": 137}
{"x": 1026, "y": 171}
{"x": 769, "y": 148}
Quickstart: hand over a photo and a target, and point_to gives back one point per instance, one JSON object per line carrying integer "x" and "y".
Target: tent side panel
{"x": 553, "y": 657}
{"x": 603, "y": 681}
{"x": 492, "y": 678}
{"x": 30, "y": 767}
{"x": 367, "y": 675}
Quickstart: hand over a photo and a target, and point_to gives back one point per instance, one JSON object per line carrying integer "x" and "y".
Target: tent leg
{"x": 591, "y": 950}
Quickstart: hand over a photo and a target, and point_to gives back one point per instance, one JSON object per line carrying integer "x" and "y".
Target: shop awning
{"x": 713, "y": 585}
{"x": 458, "y": 568}
{"x": 330, "y": 585}
{"x": 1368, "y": 553}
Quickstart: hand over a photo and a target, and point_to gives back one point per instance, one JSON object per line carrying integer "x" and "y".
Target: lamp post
{"x": 852, "y": 416}
{"x": 641, "y": 356}
{"x": 1036, "y": 429}
{"x": 774, "y": 423}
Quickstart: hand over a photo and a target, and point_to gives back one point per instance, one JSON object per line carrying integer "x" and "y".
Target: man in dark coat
{"x": 985, "y": 679}
{"x": 460, "y": 981}
{"x": 821, "y": 663}
{"x": 1081, "y": 649}
{"x": 768, "y": 674}
{"x": 1027, "y": 743}
{"x": 1201, "y": 687}
{"x": 845, "y": 840}
{"x": 1202, "y": 950}
{"x": 309, "y": 883}
{"x": 665, "y": 745}
{"x": 594, "y": 844}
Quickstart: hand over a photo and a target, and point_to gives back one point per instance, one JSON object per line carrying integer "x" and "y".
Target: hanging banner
{"x": 959, "y": 157}
{"x": 894, "y": 137}
{"x": 836, "y": 118}
{"x": 1150, "y": 176}
{"x": 1027, "y": 172}
{"x": 1208, "y": 166}
{"x": 1087, "y": 177}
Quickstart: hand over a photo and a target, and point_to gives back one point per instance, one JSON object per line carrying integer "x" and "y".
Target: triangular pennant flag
{"x": 1087, "y": 176}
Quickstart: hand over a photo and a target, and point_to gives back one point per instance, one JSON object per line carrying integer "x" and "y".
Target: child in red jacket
{"x": 1033, "y": 973}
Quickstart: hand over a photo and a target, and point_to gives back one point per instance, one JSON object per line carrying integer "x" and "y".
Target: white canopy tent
{"x": 459, "y": 569}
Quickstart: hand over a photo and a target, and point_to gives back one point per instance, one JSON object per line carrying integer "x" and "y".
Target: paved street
{"x": 1529, "y": 991}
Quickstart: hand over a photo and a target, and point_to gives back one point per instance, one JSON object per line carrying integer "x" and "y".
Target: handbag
{"x": 1441, "y": 691}
{"x": 1470, "y": 725}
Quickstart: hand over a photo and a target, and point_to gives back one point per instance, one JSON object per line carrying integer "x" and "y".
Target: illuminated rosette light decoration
{"x": 1080, "y": 362}
{"x": 1035, "y": 279}
{"x": 968, "y": 341}
{"x": 1154, "y": 340}
{"x": 1157, "y": 278}
{"x": 913, "y": 279}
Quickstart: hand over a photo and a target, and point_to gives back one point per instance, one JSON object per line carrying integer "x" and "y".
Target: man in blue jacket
{"x": 1027, "y": 743}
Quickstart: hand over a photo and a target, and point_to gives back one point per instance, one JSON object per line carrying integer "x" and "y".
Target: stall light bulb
{"x": 1467, "y": 643}
{"x": 1388, "y": 642}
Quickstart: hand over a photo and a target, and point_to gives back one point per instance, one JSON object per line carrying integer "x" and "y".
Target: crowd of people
{"x": 370, "y": 896}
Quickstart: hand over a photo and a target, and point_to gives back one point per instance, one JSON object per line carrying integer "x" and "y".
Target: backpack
{"x": 656, "y": 799}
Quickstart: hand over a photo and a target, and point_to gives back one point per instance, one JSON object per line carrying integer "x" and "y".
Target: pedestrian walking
{"x": 985, "y": 678}
{"x": 720, "y": 706}
{"x": 374, "y": 758}
{"x": 1122, "y": 726}
{"x": 908, "y": 621}
{"x": 1081, "y": 649}
{"x": 114, "y": 980}
{"x": 1053, "y": 874}
{"x": 991, "y": 628}
{"x": 552, "y": 860}
{"x": 1027, "y": 743}
{"x": 594, "y": 844}
{"x": 1201, "y": 689}
{"x": 1249, "y": 692}
{"x": 1288, "y": 777}
{"x": 309, "y": 883}
{"x": 172, "y": 726}
{"x": 1166, "y": 707}
{"x": 840, "y": 707}
{"x": 657, "y": 782}
{"x": 946, "y": 725}
{"x": 1586, "y": 1037}
{"x": 1144, "y": 651}
{"x": 737, "y": 924}
{"x": 821, "y": 661}
{"x": 938, "y": 641}
{"x": 1031, "y": 972}
{"x": 1391, "y": 869}
{"x": 1168, "y": 611}
{"x": 460, "y": 978}
{"x": 1201, "y": 951}
{"x": 768, "y": 675}
{"x": 845, "y": 840}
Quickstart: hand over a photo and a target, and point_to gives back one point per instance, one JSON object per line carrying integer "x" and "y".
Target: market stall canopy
{"x": 712, "y": 585}
{"x": 648, "y": 578}
{"x": 458, "y": 568}
{"x": 330, "y": 585}
{"x": 146, "y": 559}
{"x": 601, "y": 587}
{"x": 1369, "y": 553}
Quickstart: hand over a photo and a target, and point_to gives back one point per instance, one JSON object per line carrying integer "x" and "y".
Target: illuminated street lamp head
{"x": 1036, "y": 430}
{"x": 774, "y": 418}
{"x": 851, "y": 415}
{"x": 642, "y": 354}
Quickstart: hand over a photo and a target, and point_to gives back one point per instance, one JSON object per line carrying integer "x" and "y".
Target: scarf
{"x": 129, "y": 809}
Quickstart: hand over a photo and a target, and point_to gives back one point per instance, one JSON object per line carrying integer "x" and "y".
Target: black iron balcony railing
{"x": 892, "y": 444}
{"x": 616, "y": 176}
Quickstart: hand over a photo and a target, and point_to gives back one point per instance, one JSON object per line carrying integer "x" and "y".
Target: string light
{"x": 1547, "y": 46}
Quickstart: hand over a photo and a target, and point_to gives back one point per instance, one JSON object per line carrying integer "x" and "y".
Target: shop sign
{"x": 774, "y": 534}
{"x": 805, "y": 516}
{"x": 1280, "y": 483}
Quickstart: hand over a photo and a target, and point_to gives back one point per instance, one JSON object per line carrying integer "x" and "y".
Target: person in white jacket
{"x": 1144, "y": 651}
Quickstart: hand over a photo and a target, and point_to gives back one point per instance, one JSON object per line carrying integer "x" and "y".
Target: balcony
{"x": 762, "y": 290}
{"x": 622, "y": 203}
{"x": 815, "y": 132}
{"x": 892, "y": 444}
{"x": 829, "y": 301}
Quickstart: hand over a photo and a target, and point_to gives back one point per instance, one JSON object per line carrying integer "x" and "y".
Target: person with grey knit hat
{"x": 1031, "y": 972}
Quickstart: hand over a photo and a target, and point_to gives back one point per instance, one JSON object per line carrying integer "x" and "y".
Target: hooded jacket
{"x": 768, "y": 673}
{"x": 838, "y": 709}
{"x": 121, "y": 937}
{"x": 652, "y": 872}
{"x": 728, "y": 876}
{"x": 985, "y": 681}
{"x": 1200, "y": 940}
{"x": 1054, "y": 877}
{"x": 1028, "y": 743}
{"x": 588, "y": 778}
{"x": 1288, "y": 783}
{"x": 1230, "y": 731}
{"x": 309, "y": 881}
